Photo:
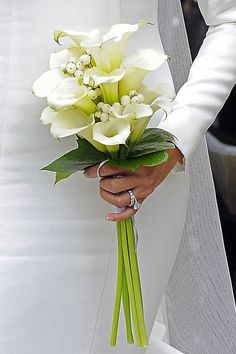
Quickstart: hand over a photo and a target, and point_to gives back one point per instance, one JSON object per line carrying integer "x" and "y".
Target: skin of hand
{"x": 142, "y": 182}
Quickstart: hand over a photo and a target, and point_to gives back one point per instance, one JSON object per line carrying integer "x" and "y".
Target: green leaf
{"x": 77, "y": 160}
{"x": 60, "y": 176}
{"x": 132, "y": 164}
{"x": 153, "y": 140}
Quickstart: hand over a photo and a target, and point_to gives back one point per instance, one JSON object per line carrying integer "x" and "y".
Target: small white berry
{"x": 104, "y": 117}
{"x": 98, "y": 114}
{"x": 116, "y": 105}
{"x": 141, "y": 97}
{"x": 133, "y": 93}
{"x": 100, "y": 105}
{"x": 71, "y": 68}
{"x": 134, "y": 99}
{"x": 85, "y": 59}
{"x": 79, "y": 74}
{"x": 98, "y": 91}
{"x": 125, "y": 100}
{"x": 106, "y": 108}
{"x": 112, "y": 111}
{"x": 80, "y": 65}
{"x": 92, "y": 94}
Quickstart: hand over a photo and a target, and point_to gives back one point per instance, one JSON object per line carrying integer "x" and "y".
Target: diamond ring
{"x": 133, "y": 200}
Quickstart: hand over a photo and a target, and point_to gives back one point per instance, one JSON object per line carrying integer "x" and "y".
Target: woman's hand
{"x": 142, "y": 182}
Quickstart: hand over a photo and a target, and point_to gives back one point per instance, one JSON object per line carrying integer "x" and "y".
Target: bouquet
{"x": 97, "y": 94}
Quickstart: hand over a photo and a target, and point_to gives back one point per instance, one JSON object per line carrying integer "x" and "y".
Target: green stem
{"x": 136, "y": 282}
{"x": 130, "y": 281}
{"x": 119, "y": 285}
{"x": 126, "y": 306}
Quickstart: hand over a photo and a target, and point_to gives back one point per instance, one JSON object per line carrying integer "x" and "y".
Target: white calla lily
{"x": 77, "y": 37}
{"x": 139, "y": 110}
{"x": 47, "y": 115}
{"x": 101, "y": 77}
{"x": 132, "y": 80}
{"x": 108, "y": 82}
{"x": 143, "y": 113}
{"x": 163, "y": 89}
{"x": 147, "y": 59}
{"x": 88, "y": 135}
{"x": 108, "y": 52}
{"x": 137, "y": 66}
{"x": 43, "y": 86}
{"x": 164, "y": 103}
{"x": 70, "y": 93}
{"x": 63, "y": 56}
{"x": 112, "y": 132}
{"x": 70, "y": 122}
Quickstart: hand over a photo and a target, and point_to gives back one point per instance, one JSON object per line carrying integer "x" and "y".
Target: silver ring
{"x": 99, "y": 167}
{"x": 133, "y": 200}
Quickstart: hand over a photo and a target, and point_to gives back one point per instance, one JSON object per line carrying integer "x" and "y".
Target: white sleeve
{"x": 210, "y": 81}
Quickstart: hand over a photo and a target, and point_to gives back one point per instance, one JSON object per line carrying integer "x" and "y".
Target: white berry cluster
{"x": 132, "y": 97}
{"x": 76, "y": 67}
{"x": 105, "y": 111}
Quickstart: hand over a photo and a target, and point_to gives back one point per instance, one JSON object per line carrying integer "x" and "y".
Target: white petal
{"x": 66, "y": 94}
{"x": 132, "y": 80}
{"x": 47, "y": 115}
{"x": 163, "y": 102}
{"x": 118, "y": 31}
{"x": 61, "y": 57}
{"x": 47, "y": 82}
{"x": 70, "y": 122}
{"x": 140, "y": 110}
{"x": 77, "y": 37}
{"x": 112, "y": 132}
{"x": 147, "y": 59}
{"x": 101, "y": 77}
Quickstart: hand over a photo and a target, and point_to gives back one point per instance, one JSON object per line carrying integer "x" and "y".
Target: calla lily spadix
{"x": 67, "y": 122}
{"x": 70, "y": 93}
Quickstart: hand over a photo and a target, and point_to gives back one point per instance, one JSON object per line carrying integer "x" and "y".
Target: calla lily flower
{"x": 63, "y": 56}
{"x": 108, "y": 82}
{"x": 161, "y": 97}
{"x": 137, "y": 66}
{"x": 70, "y": 93}
{"x": 108, "y": 49}
{"x": 44, "y": 85}
{"x": 142, "y": 114}
{"x": 111, "y": 134}
{"x": 67, "y": 122}
{"x": 77, "y": 37}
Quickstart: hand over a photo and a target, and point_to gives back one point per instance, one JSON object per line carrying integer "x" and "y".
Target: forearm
{"x": 211, "y": 78}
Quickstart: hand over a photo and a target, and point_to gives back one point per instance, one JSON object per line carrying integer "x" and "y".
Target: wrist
{"x": 176, "y": 155}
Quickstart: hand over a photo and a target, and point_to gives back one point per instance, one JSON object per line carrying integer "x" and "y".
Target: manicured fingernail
{"x": 109, "y": 218}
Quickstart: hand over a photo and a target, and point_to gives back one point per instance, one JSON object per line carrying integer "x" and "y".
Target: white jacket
{"x": 211, "y": 79}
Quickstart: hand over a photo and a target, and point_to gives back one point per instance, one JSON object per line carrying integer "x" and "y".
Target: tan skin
{"x": 142, "y": 182}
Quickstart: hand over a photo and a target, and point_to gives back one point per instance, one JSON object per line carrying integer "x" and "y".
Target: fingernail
{"x": 109, "y": 218}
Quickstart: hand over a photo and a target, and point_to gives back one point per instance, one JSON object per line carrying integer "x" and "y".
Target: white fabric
{"x": 211, "y": 78}
{"x": 58, "y": 255}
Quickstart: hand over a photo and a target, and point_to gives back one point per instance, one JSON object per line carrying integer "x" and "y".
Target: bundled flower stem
{"x": 128, "y": 287}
